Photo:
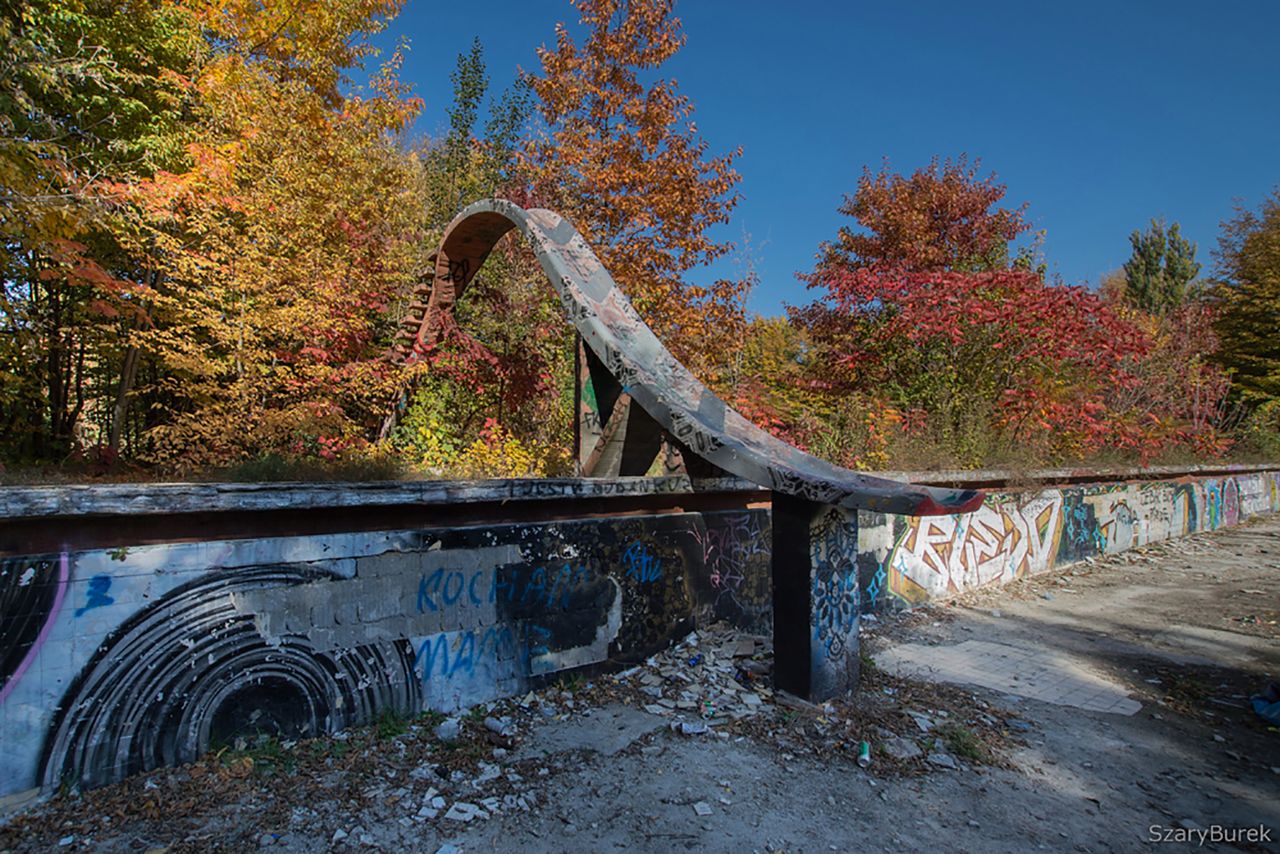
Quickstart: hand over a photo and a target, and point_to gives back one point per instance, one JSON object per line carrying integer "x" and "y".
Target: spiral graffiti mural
{"x": 191, "y": 671}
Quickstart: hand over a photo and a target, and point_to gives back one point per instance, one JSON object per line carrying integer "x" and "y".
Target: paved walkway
{"x": 1032, "y": 672}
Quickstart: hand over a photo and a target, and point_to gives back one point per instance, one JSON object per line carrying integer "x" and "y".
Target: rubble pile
{"x": 715, "y": 683}
{"x": 706, "y": 681}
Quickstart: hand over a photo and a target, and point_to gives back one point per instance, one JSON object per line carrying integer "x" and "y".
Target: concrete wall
{"x": 143, "y": 624}
{"x": 905, "y": 560}
{"x": 118, "y": 660}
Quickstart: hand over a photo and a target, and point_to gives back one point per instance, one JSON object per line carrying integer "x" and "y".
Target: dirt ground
{"x": 1188, "y": 629}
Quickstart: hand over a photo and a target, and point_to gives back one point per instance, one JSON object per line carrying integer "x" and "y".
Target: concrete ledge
{"x": 18, "y": 502}
{"x": 32, "y": 502}
{"x": 1011, "y": 480}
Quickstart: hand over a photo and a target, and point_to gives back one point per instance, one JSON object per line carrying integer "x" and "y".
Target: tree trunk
{"x": 128, "y": 373}
{"x": 128, "y": 376}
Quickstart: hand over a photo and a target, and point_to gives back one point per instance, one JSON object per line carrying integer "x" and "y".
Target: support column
{"x": 815, "y": 598}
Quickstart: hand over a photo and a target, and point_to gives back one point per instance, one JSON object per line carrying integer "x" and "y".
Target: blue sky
{"x": 1101, "y": 115}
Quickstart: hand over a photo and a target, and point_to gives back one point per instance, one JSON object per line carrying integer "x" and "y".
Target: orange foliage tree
{"x": 91, "y": 93}
{"x": 623, "y": 161}
{"x": 940, "y": 217}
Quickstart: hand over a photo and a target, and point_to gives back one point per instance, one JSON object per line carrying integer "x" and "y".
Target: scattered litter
{"x": 702, "y": 808}
{"x": 1267, "y": 704}
{"x": 502, "y": 726}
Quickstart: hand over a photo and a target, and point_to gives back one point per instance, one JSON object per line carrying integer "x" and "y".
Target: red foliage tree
{"x": 1039, "y": 364}
{"x": 927, "y": 317}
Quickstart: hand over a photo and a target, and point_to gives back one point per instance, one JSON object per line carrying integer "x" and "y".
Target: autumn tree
{"x": 978, "y": 362}
{"x": 282, "y": 242}
{"x": 895, "y": 330}
{"x": 622, "y": 159}
{"x": 941, "y": 217}
{"x": 1161, "y": 267}
{"x": 929, "y": 320}
{"x": 92, "y": 93}
{"x": 1247, "y": 294}
{"x": 499, "y": 383}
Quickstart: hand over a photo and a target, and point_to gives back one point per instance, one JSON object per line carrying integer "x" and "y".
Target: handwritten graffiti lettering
{"x": 996, "y": 543}
{"x": 729, "y": 546}
{"x": 551, "y": 587}
{"x": 457, "y": 271}
{"x": 443, "y": 656}
{"x": 641, "y": 564}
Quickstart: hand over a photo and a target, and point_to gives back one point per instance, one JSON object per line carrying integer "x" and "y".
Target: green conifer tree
{"x": 1162, "y": 266}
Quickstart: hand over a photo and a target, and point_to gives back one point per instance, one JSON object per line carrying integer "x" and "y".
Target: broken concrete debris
{"x": 942, "y": 760}
{"x": 717, "y": 677}
{"x": 448, "y": 729}
{"x": 713, "y": 685}
{"x": 901, "y": 749}
{"x": 465, "y": 812}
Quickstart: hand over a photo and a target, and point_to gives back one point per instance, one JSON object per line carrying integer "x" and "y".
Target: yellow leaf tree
{"x": 283, "y": 244}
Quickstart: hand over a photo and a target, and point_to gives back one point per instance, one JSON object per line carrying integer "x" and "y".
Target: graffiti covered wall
{"x": 907, "y": 560}
{"x": 115, "y": 661}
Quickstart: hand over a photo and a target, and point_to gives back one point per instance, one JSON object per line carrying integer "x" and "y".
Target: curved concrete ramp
{"x": 669, "y": 398}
